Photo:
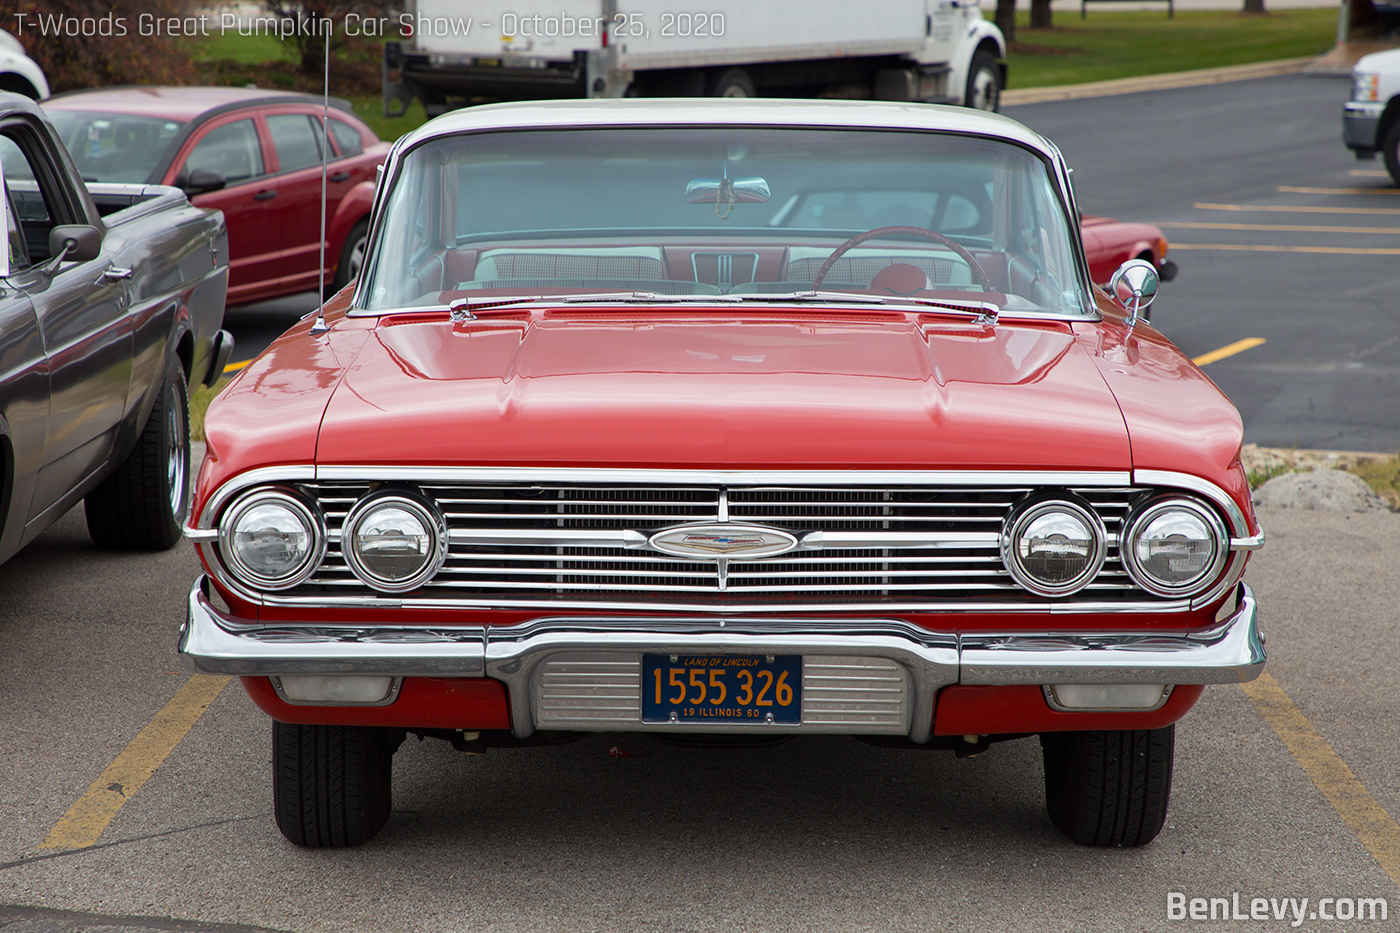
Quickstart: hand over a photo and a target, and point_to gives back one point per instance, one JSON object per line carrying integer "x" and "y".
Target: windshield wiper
{"x": 466, "y": 310}
{"x": 829, "y": 297}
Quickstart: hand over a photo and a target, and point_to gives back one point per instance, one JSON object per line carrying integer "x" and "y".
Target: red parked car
{"x": 1109, "y": 243}
{"x": 253, "y": 154}
{"x": 669, "y": 417}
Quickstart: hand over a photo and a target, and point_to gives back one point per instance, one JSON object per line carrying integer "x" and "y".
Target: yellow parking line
{"x": 86, "y": 819}
{"x": 1260, "y": 248}
{"x": 1239, "y": 346}
{"x": 1293, "y": 189}
{"x": 1288, "y": 209}
{"x": 1286, "y": 228}
{"x": 235, "y": 367}
{"x": 1375, "y": 827}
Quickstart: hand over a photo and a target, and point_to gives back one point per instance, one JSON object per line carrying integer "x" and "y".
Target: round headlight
{"x": 1174, "y": 547}
{"x": 394, "y": 542}
{"x": 271, "y": 539}
{"x": 1053, "y": 547}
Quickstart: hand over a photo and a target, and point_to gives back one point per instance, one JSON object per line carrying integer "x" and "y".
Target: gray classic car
{"x": 111, "y": 304}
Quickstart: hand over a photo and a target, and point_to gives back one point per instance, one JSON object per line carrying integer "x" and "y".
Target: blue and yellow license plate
{"x": 722, "y": 689}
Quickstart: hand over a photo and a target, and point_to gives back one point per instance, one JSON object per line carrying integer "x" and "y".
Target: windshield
{"x": 114, "y": 147}
{"x": 724, "y": 211}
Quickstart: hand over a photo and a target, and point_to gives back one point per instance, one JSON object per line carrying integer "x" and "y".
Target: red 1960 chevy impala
{"x": 725, "y": 421}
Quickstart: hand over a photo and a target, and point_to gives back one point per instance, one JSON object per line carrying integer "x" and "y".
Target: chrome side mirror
{"x": 1134, "y": 286}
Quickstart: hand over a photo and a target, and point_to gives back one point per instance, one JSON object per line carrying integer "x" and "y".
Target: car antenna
{"x": 319, "y": 326}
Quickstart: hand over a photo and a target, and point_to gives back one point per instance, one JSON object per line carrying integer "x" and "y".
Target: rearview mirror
{"x": 746, "y": 190}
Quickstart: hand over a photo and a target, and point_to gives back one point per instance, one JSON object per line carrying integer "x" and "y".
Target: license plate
{"x": 722, "y": 689}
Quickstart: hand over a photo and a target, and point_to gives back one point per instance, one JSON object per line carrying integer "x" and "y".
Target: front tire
{"x": 143, "y": 504}
{"x": 983, "y": 83}
{"x": 332, "y": 785}
{"x": 352, "y": 256}
{"x": 1108, "y": 788}
{"x": 1390, "y": 150}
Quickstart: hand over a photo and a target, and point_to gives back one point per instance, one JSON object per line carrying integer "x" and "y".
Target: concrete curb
{"x": 1037, "y": 95}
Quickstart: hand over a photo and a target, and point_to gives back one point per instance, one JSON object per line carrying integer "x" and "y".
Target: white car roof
{"x": 833, "y": 114}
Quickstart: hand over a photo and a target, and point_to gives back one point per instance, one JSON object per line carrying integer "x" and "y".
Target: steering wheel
{"x": 860, "y": 238}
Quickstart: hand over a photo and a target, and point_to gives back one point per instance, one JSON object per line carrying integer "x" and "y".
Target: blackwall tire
{"x": 143, "y": 504}
{"x": 352, "y": 256}
{"x": 1390, "y": 151}
{"x": 983, "y": 83}
{"x": 332, "y": 785}
{"x": 1108, "y": 788}
{"x": 732, "y": 82}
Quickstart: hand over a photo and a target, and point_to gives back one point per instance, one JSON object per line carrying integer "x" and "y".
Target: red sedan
{"x": 1109, "y": 243}
{"x": 253, "y": 154}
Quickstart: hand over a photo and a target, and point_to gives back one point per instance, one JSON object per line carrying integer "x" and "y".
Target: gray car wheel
{"x": 142, "y": 505}
{"x": 352, "y": 256}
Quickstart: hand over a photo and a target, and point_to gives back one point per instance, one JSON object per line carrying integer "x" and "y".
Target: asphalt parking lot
{"x": 131, "y": 806}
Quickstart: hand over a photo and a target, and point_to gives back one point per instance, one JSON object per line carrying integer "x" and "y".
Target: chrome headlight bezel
{"x": 429, "y": 515}
{"x": 306, "y": 511}
{"x": 1139, "y": 520}
{"x": 1020, "y": 519}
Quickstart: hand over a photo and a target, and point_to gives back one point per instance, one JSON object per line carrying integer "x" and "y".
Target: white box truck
{"x": 454, "y": 53}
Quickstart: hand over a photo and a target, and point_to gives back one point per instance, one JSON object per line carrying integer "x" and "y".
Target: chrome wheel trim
{"x": 356, "y": 258}
{"x": 176, "y": 458}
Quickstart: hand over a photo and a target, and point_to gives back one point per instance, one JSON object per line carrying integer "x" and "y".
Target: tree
{"x": 91, "y": 43}
{"x": 307, "y": 23}
{"x": 1363, "y": 22}
{"x": 1006, "y": 19}
{"x": 1040, "y": 14}
{"x": 1254, "y": 6}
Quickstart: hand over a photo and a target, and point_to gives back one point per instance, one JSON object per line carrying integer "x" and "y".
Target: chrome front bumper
{"x": 873, "y": 676}
{"x": 1360, "y": 122}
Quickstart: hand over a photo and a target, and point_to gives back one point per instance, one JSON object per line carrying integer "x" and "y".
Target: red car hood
{"x": 659, "y": 389}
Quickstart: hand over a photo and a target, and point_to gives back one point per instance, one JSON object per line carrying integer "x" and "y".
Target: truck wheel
{"x": 142, "y": 505}
{"x": 1108, "y": 788}
{"x": 332, "y": 785}
{"x": 733, "y": 82}
{"x": 1390, "y": 150}
{"x": 983, "y": 83}
{"x": 352, "y": 256}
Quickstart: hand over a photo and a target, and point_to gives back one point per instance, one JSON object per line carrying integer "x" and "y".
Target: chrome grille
{"x": 556, "y": 544}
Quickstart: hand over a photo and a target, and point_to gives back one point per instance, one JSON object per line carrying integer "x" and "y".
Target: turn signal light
{"x": 1140, "y": 697}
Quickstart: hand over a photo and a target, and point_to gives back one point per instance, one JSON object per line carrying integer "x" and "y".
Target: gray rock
{"x": 1320, "y": 490}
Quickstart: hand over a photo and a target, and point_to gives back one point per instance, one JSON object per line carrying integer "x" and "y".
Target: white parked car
{"x": 1371, "y": 120}
{"x": 19, "y": 74}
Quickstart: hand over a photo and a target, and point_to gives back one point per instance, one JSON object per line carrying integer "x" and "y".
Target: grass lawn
{"x": 1111, "y": 45}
